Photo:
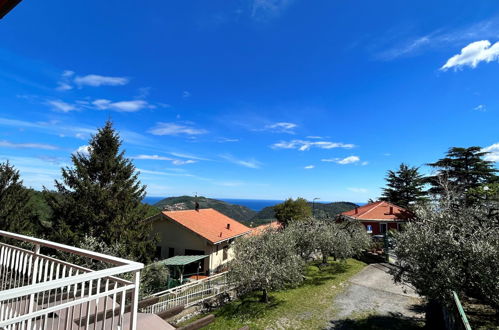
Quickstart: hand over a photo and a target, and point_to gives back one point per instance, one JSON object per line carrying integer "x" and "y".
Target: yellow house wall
{"x": 173, "y": 235}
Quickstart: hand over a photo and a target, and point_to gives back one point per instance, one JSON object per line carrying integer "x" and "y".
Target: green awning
{"x": 181, "y": 260}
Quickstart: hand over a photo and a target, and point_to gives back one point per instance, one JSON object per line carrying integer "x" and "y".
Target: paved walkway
{"x": 373, "y": 299}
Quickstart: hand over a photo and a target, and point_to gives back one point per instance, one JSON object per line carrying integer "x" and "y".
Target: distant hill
{"x": 237, "y": 212}
{"x": 322, "y": 210}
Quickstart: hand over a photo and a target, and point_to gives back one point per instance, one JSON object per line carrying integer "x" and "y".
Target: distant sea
{"x": 253, "y": 204}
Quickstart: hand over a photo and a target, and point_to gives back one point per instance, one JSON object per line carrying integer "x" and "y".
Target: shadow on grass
{"x": 379, "y": 322}
{"x": 318, "y": 273}
{"x": 248, "y": 307}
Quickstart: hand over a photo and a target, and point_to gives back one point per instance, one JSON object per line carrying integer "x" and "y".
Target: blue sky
{"x": 263, "y": 99}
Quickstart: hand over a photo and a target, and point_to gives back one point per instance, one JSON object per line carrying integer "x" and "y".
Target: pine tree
{"x": 404, "y": 186}
{"x": 101, "y": 196}
{"x": 462, "y": 170}
{"x": 15, "y": 213}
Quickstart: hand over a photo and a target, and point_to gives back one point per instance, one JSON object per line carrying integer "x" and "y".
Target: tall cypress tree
{"x": 15, "y": 214}
{"x": 462, "y": 170}
{"x": 101, "y": 196}
{"x": 404, "y": 186}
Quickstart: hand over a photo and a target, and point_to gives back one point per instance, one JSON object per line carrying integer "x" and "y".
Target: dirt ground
{"x": 373, "y": 301}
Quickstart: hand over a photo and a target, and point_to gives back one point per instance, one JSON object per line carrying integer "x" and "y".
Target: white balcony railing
{"x": 38, "y": 291}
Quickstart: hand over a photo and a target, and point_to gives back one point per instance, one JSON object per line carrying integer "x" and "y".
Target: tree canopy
{"x": 461, "y": 170}
{"x": 292, "y": 210}
{"x": 16, "y": 215}
{"x": 101, "y": 196}
{"x": 404, "y": 187}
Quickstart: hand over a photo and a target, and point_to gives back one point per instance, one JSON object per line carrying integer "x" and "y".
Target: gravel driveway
{"x": 373, "y": 301}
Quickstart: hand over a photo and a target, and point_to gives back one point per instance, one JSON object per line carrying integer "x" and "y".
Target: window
{"x": 171, "y": 252}
{"x": 382, "y": 228}
{"x": 226, "y": 252}
{"x": 158, "y": 252}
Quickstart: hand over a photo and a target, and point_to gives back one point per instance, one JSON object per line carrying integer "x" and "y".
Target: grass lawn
{"x": 306, "y": 307}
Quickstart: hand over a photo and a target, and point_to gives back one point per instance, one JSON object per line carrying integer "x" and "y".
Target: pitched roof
{"x": 259, "y": 229}
{"x": 208, "y": 223}
{"x": 379, "y": 211}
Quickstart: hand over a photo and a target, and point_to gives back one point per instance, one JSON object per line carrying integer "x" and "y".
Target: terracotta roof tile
{"x": 259, "y": 229}
{"x": 208, "y": 223}
{"x": 379, "y": 211}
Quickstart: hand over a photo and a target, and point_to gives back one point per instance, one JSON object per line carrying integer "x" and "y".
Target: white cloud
{"x": 480, "y": 107}
{"x": 281, "y": 127}
{"x": 303, "y": 145}
{"x": 364, "y": 163}
{"x": 96, "y": 80}
{"x": 226, "y": 140}
{"x": 473, "y": 54}
{"x": 176, "y": 129}
{"x": 188, "y": 156}
{"x": 186, "y": 94}
{"x": 343, "y": 161}
{"x": 252, "y": 163}
{"x": 7, "y": 144}
{"x": 493, "y": 152}
{"x": 122, "y": 106}
{"x": 65, "y": 83}
{"x": 61, "y": 106}
{"x": 85, "y": 150}
{"x": 173, "y": 160}
{"x": 359, "y": 190}
{"x": 309, "y": 167}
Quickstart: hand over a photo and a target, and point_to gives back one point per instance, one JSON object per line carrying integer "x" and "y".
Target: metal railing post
{"x": 31, "y": 306}
{"x": 135, "y": 301}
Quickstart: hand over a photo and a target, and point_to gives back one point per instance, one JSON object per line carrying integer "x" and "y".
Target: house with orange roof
{"x": 379, "y": 217}
{"x": 201, "y": 232}
{"x": 274, "y": 225}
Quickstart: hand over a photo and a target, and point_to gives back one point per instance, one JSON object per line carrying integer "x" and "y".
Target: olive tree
{"x": 450, "y": 247}
{"x": 265, "y": 262}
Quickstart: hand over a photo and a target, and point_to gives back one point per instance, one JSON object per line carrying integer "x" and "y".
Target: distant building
{"x": 197, "y": 232}
{"x": 274, "y": 225}
{"x": 379, "y": 217}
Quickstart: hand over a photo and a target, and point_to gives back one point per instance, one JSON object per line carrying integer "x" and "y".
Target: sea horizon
{"x": 251, "y": 203}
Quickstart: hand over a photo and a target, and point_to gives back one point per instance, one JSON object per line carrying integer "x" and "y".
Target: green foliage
{"x": 319, "y": 210}
{"x": 237, "y": 212}
{"x": 340, "y": 240}
{"x": 15, "y": 213}
{"x": 404, "y": 187}
{"x": 154, "y": 279}
{"x": 265, "y": 262}
{"x": 292, "y": 210}
{"x": 461, "y": 170}
{"x": 101, "y": 196}
{"x": 451, "y": 247}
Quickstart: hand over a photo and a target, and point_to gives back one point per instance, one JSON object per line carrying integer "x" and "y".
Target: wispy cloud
{"x": 69, "y": 79}
{"x": 265, "y": 9}
{"x": 480, "y": 107}
{"x": 493, "y": 152}
{"x": 227, "y": 140}
{"x": 60, "y": 105}
{"x": 343, "y": 161}
{"x": 390, "y": 49}
{"x": 189, "y": 156}
{"x": 309, "y": 167}
{"x": 280, "y": 127}
{"x": 172, "y": 160}
{"x": 250, "y": 163}
{"x": 473, "y": 54}
{"x": 186, "y": 94}
{"x": 122, "y": 106}
{"x": 8, "y": 144}
{"x": 359, "y": 190}
{"x": 162, "y": 128}
{"x": 304, "y": 145}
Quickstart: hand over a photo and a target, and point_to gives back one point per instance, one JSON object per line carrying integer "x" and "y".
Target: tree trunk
{"x": 265, "y": 296}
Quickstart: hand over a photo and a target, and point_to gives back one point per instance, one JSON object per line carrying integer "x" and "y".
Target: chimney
{"x": 391, "y": 210}
{"x": 197, "y": 207}
{"x": 228, "y": 226}
{"x": 356, "y": 210}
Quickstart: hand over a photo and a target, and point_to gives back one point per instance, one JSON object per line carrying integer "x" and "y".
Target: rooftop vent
{"x": 391, "y": 210}
{"x": 228, "y": 226}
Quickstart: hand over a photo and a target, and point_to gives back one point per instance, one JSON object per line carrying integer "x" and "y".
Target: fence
{"x": 190, "y": 293}
{"x": 38, "y": 291}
